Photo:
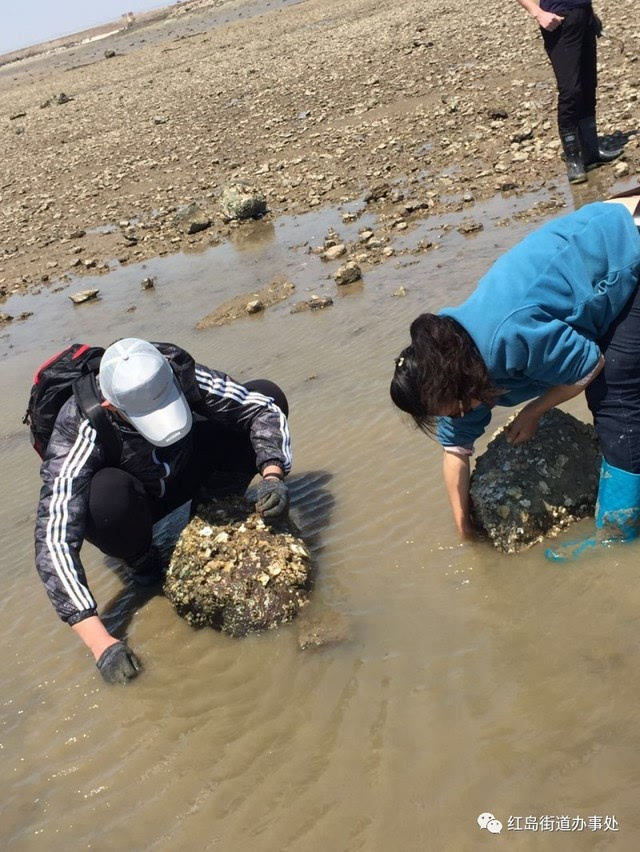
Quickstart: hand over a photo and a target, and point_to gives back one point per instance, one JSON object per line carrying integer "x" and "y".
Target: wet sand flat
{"x": 315, "y": 101}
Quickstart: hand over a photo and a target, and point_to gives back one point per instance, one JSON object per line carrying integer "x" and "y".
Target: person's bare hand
{"x": 549, "y": 21}
{"x": 523, "y": 427}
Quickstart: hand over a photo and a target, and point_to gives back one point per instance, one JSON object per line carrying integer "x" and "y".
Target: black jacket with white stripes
{"x": 74, "y": 454}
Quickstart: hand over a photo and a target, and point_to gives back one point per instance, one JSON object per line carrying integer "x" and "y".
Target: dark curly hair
{"x": 441, "y": 366}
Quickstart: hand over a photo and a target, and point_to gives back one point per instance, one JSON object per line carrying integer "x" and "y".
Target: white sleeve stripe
{"x": 53, "y": 538}
{"x": 58, "y": 516}
{"x": 232, "y": 390}
{"x": 56, "y": 531}
{"x": 286, "y": 442}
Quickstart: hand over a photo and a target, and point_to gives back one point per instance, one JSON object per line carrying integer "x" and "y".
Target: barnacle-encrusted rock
{"x": 231, "y": 571}
{"x": 519, "y": 494}
{"x": 242, "y": 201}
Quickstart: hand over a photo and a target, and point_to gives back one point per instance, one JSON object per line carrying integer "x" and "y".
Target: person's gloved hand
{"x": 273, "y": 498}
{"x": 118, "y": 663}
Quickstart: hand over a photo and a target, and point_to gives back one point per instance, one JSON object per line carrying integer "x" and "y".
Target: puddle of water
{"x": 472, "y": 681}
{"x": 103, "y": 229}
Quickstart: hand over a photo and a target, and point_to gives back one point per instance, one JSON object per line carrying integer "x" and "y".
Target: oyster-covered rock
{"x": 242, "y": 201}
{"x": 519, "y": 494}
{"x": 231, "y": 571}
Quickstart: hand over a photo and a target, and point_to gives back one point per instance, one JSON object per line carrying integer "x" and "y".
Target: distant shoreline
{"x": 100, "y": 31}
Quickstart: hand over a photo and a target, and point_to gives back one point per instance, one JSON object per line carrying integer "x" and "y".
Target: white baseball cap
{"x": 138, "y": 380}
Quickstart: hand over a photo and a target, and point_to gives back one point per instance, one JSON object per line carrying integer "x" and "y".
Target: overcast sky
{"x": 33, "y": 21}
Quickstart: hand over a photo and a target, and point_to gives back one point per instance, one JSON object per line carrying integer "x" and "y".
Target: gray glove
{"x": 118, "y": 663}
{"x": 273, "y": 499}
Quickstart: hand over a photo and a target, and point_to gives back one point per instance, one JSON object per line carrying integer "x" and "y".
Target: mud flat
{"x": 403, "y": 111}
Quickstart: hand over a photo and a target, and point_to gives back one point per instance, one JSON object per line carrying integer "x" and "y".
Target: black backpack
{"x": 72, "y": 371}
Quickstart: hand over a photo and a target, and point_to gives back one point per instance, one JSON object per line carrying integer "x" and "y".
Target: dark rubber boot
{"x": 573, "y": 158}
{"x": 594, "y": 154}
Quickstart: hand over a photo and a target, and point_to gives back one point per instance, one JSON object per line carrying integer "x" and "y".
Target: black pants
{"x": 573, "y": 54}
{"x": 122, "y": 514}
{"x": 614, "y": 395}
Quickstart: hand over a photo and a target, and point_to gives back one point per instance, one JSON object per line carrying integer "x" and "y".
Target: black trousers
{"x": 614, "y": 395}
{"x": 573, "y": 54}
{"x": 122, "y": 514}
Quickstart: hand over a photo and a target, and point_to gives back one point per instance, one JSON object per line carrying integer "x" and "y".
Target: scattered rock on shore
{"x": 242, "y": 201}
{"x": 170, "y": 122}
{"x": 84, "y": 296}
{"x": 520, "y": 494}
{"x": 348, "y": 273}
{"x": 315, "y": 303}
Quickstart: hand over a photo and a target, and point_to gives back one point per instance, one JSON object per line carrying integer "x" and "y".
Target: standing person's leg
{"x": 564, "y": 49}
{"x": 614, "y": 400}
{"x": 588, "y": 67}
{"x": 593, "y": 154}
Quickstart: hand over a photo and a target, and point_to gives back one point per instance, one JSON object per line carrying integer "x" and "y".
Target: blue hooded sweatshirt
{"x": 538, "y": 314}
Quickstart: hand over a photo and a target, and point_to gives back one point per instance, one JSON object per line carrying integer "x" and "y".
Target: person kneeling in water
{"x": 180, "y": 425}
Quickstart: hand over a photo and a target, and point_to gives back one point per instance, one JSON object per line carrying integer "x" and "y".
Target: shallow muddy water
{"x": 471, "y": 681}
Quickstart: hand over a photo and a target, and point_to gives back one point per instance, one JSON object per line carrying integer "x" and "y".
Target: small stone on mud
{"x": 198, "y": 225}
{"x": 470, "y": 227}
{"x": 148, "y": 283}
{"x": 377, "y": 192}
{"x": 348, "y": 273}
{"x": 334, "y": 252}
{"x": 255, "y": 306}
{"x": 315, "y": 303}
{"x": 318, "y": 631}
{"x": 242, "y": 201}
{"x": 84, "y": 296}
